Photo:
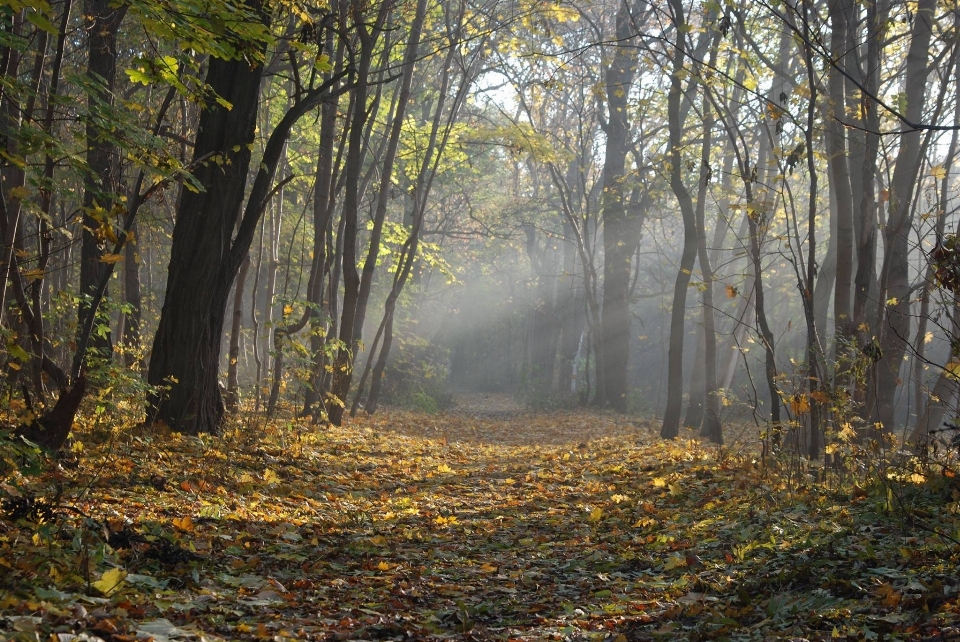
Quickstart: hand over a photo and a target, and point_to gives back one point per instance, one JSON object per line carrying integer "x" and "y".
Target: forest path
{"x": 403, "y": 526}
{"x": 499, "y": 418}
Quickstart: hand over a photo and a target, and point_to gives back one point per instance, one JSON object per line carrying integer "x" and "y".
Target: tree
{"x": 205, "y": 253}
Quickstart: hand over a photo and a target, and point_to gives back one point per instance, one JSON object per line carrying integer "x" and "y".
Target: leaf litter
{"x": 468, "y": 525}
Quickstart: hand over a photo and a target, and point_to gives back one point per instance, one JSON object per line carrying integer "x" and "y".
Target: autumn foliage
{"x": 470, "y": 525}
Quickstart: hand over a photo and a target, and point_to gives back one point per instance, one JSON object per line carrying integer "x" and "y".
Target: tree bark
{"x": 343, "y": 366}
{"x": 133, "y": 315}
{"x": 101, "y": 184}
{"x": 619, "y": 235}
{"x": 236, "y": 330}
{"x": 186, "y": 347}
{"x": 688, "y": 212}
{"x": 894, "y": 281}
{"x": 840, "y": 11}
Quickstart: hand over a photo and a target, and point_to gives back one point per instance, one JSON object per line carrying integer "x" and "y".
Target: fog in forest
{"x": 708, "y": 215}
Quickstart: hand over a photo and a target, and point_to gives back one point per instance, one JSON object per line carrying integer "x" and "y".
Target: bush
{"x": 416, "y": 376}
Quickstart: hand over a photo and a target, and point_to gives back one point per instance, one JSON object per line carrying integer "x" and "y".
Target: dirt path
{"x": 500, "y": 419}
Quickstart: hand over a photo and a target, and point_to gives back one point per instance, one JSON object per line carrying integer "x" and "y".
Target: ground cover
{"x": 469, "y": 525}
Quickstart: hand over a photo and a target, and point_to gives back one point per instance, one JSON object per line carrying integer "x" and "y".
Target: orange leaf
{"x": 800, "y": 404}
{"x": 183, "y": 523}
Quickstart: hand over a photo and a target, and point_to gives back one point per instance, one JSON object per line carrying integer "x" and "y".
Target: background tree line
{"x": 699, "y": 209}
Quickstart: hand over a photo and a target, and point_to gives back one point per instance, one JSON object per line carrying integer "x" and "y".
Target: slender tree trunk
{"x": 864, "y": 150}
{"x": 132, "y": 297}
{"x": 386, "y": 184}
{"x": 711, "y": 428}
{"x": 931, "y": 408}
{"x": 894, "y": 283}
{"x": 570, "y": 306}
{"x": 688, "y": 256}
{"x": 101, "y": 185}
{"x": 840, "y": 11}
{"x": 619, "y": 233}
{"x": 814, "y": 351}
{"x": 323, "y": 206}
{"x": 236, "y": 331}
{"x": 343, "y": 368}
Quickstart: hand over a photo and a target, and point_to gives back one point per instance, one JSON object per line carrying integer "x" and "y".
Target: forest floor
{"x": 482, "y": 523}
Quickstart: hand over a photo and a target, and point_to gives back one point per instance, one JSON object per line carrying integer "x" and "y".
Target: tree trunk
{"x": 343, "y": 368}
{"x": 570, "y": 308}
{"x": 186, "y": 348}
{"x": 132, "y": 297}
{"x": 894, "y": 283}
{"x": 236, "y": 330}
{"x": 864, "y": 150}
{"x": 840, "y": 11}
{"x": 101, "y": 184}
{"x": 688, "y": 212}
{"x": 386, "y": 184}
{"x": 619, "y": 235}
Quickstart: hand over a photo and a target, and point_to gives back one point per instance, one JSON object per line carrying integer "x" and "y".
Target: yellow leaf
{"x": 847, "y": 433}
{"x": 383, "y": 566}
{"x": 928, "y": 337}
{"x": 287, "y": 310}
{"x": 675, "y": 489}
{"x": 953, "y": 370}
{"x": 595, "y": 515}
{"x": 34, "y": 274}
{"x": 111, "y": 258}
{"x": 893, "y": 301}
{"x": 659, "y": 482}
{"x": 110, "y": 580}
{"x": 19, "y": 192}
{"x": 488, "y": 568}
{"x": 270, "y": 477}
{"x": 443, "y": 468}
{"x": 183, "y": 523}
{"x": 938, "y": 172}
{"x": 674, "y": 561}
{"x": 378, "y": 540}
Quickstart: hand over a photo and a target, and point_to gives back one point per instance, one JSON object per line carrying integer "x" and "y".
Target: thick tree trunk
{"x": 186, "y": 348}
